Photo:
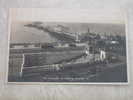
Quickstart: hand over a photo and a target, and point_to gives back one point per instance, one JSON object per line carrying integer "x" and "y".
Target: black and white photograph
{"x": 67, "y": 51}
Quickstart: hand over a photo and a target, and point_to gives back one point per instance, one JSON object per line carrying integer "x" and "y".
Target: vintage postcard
{"x": 66, "y": 46}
